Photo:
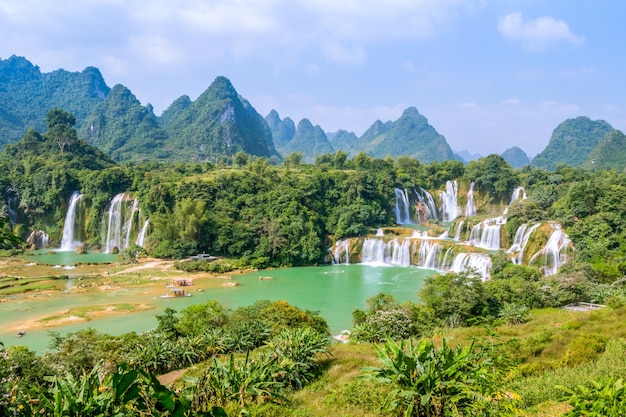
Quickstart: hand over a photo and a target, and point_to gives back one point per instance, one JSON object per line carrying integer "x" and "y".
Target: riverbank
{"x": 23, "y": 282}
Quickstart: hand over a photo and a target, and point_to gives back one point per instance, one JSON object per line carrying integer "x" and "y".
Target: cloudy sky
{"x": 488, "y": 74}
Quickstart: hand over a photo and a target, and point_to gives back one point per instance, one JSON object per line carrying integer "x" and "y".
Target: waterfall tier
{"x": 121, "y": 222}
{"x": 67, "y": 242}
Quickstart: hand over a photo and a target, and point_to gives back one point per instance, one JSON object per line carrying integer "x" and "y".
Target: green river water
{"x": 335, "y": 291}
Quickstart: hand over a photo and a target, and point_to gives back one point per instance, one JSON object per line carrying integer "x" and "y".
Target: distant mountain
{"x": 410, "y": 135}
{"x": 26, "y": 95}
{"x": 466, "y": 156}
{"x": 175, "y": 109}
{"x": 572, "y": 142}
{"x": 344, "y": 140}
{"x": 282, "y": 130}
{"x": 124, "y": 129}
{"x": 309, "y": 140}
{"x": 219, "y": 123}
{"x": 516, "y": 157}
{"x": 609, "y": 154}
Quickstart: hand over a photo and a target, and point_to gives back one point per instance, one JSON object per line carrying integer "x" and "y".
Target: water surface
{"x": 335, "y": 291}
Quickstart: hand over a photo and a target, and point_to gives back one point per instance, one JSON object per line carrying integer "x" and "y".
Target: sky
{"x": 487, "y": 74}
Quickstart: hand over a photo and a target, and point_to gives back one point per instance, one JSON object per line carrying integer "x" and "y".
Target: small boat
{"x": 20, "y": 333}
{"x": 176, "y": 294}
{"x": 343, "y": 336}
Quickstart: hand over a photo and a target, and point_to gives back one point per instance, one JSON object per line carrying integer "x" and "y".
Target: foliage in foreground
{"x": 431, "y": 381}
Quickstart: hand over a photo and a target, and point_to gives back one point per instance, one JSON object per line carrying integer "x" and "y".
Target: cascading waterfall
{"x": 486, "y": 234}
{"x": 38, "y": 238}
{"x": 373, "y": 252}
{"x": 449, "y": 205}
{"x": 426, "y": 198}
{"x": 12, "y": 208}
{"x": 518, "y": 193}
{"x": 114, "y": 224}
{"x": 478, "y": 262}
{"x": 380, "y": 232}
{"x": 428, "y": 253}
{"x": 128, "y": 224}
{"x": 522, "y": 235}
{"x": 470, "y": 207}
{"x": 459, "y": 229}
{"x": 67, "y": 241}
{"x": 402, "y": 211}
{"x": 553, "y": 254}
{"x": 141, "y": 237}
{"x": 341, "y": 253}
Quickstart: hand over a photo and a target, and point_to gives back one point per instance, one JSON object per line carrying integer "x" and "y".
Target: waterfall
{"x": 426, "y": 198}
{"x": 141, "y": 237}
{"x": 128, "y": 224}
{"x": 402, "y": 207}
{"x": 470, "y": 207}
{"x": 395, "y": 252}
{"x": 517, "y": 194}
{"x": 400, "y": 252}
{"x": 449, "y": 206}
{"x": 478, "y": 262}
{"x": 341, "y": 253}
{"x": 67, "y": 242}
{"x": 373, "y": 252}
{"x": 114, "y": 224}
{"x": 380, "y": 232}
{"x": 551, "y": 254}
{"x": 521, "y": 239}
{"x": 459, "y": 229}
{"x": 38, "y": 238}
{"x": 428, "y": 253}
{"x": 12, "y": 206}
{"x": 486, "y": 234}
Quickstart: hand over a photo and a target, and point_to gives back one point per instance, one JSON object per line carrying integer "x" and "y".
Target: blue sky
{"x": 488, "y": 74}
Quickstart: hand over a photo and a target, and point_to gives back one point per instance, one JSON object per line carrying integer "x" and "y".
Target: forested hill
{"x": 572, "y": 142}
{"x": 26, "y": 95}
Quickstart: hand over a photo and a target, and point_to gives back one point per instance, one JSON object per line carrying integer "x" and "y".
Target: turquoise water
{"x": 335, "y": 291}
{"x": 68, "y": 258}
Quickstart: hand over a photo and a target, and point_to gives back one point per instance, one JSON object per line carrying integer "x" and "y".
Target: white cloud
{"x": 536, "y": 34}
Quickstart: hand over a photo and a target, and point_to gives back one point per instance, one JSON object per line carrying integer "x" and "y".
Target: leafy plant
{"x": 435, "y": 382}
{"x": 602, "y": 398}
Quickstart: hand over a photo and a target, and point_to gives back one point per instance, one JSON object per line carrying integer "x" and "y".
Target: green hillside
{"x": 609, "y": 154}
{"x": 219, "y": 123}
{"x": 26, "y": 95}
{"x": 572, "y": 142}
{"x": 125, "y": 129}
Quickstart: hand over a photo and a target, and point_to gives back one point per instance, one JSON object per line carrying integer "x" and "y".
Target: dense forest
{"x": 253, "y": 213}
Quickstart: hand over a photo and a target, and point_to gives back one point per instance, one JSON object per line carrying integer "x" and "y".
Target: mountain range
{"x": 220, "y": 123}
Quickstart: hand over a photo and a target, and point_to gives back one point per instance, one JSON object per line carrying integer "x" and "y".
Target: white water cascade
{"x": 478, "y": 262}
{"x": 128, "y": 224}
{"x": 395, "y": 252}
{"x": 522, "y": 235}
{"x": 12, "y": 208}
{"x": 470, "y": 207}
{"x": 402, "y": 211}
{"x": 341, "y": 253}
{"x": 449, "y": 205}
{"x": 380, "y": 232}
{"x": 426, "y": 198}
{"x": 517, "y": 194}
{"x": 38, "y": 238}
{"x": 141, "y": 237}
{"x": 486, "y": 234}
{"x": 553, "y": 254}
{"x": 67, "y": 241}
{"x": 428, "y": 253}
{"x": 114, "y": 224}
